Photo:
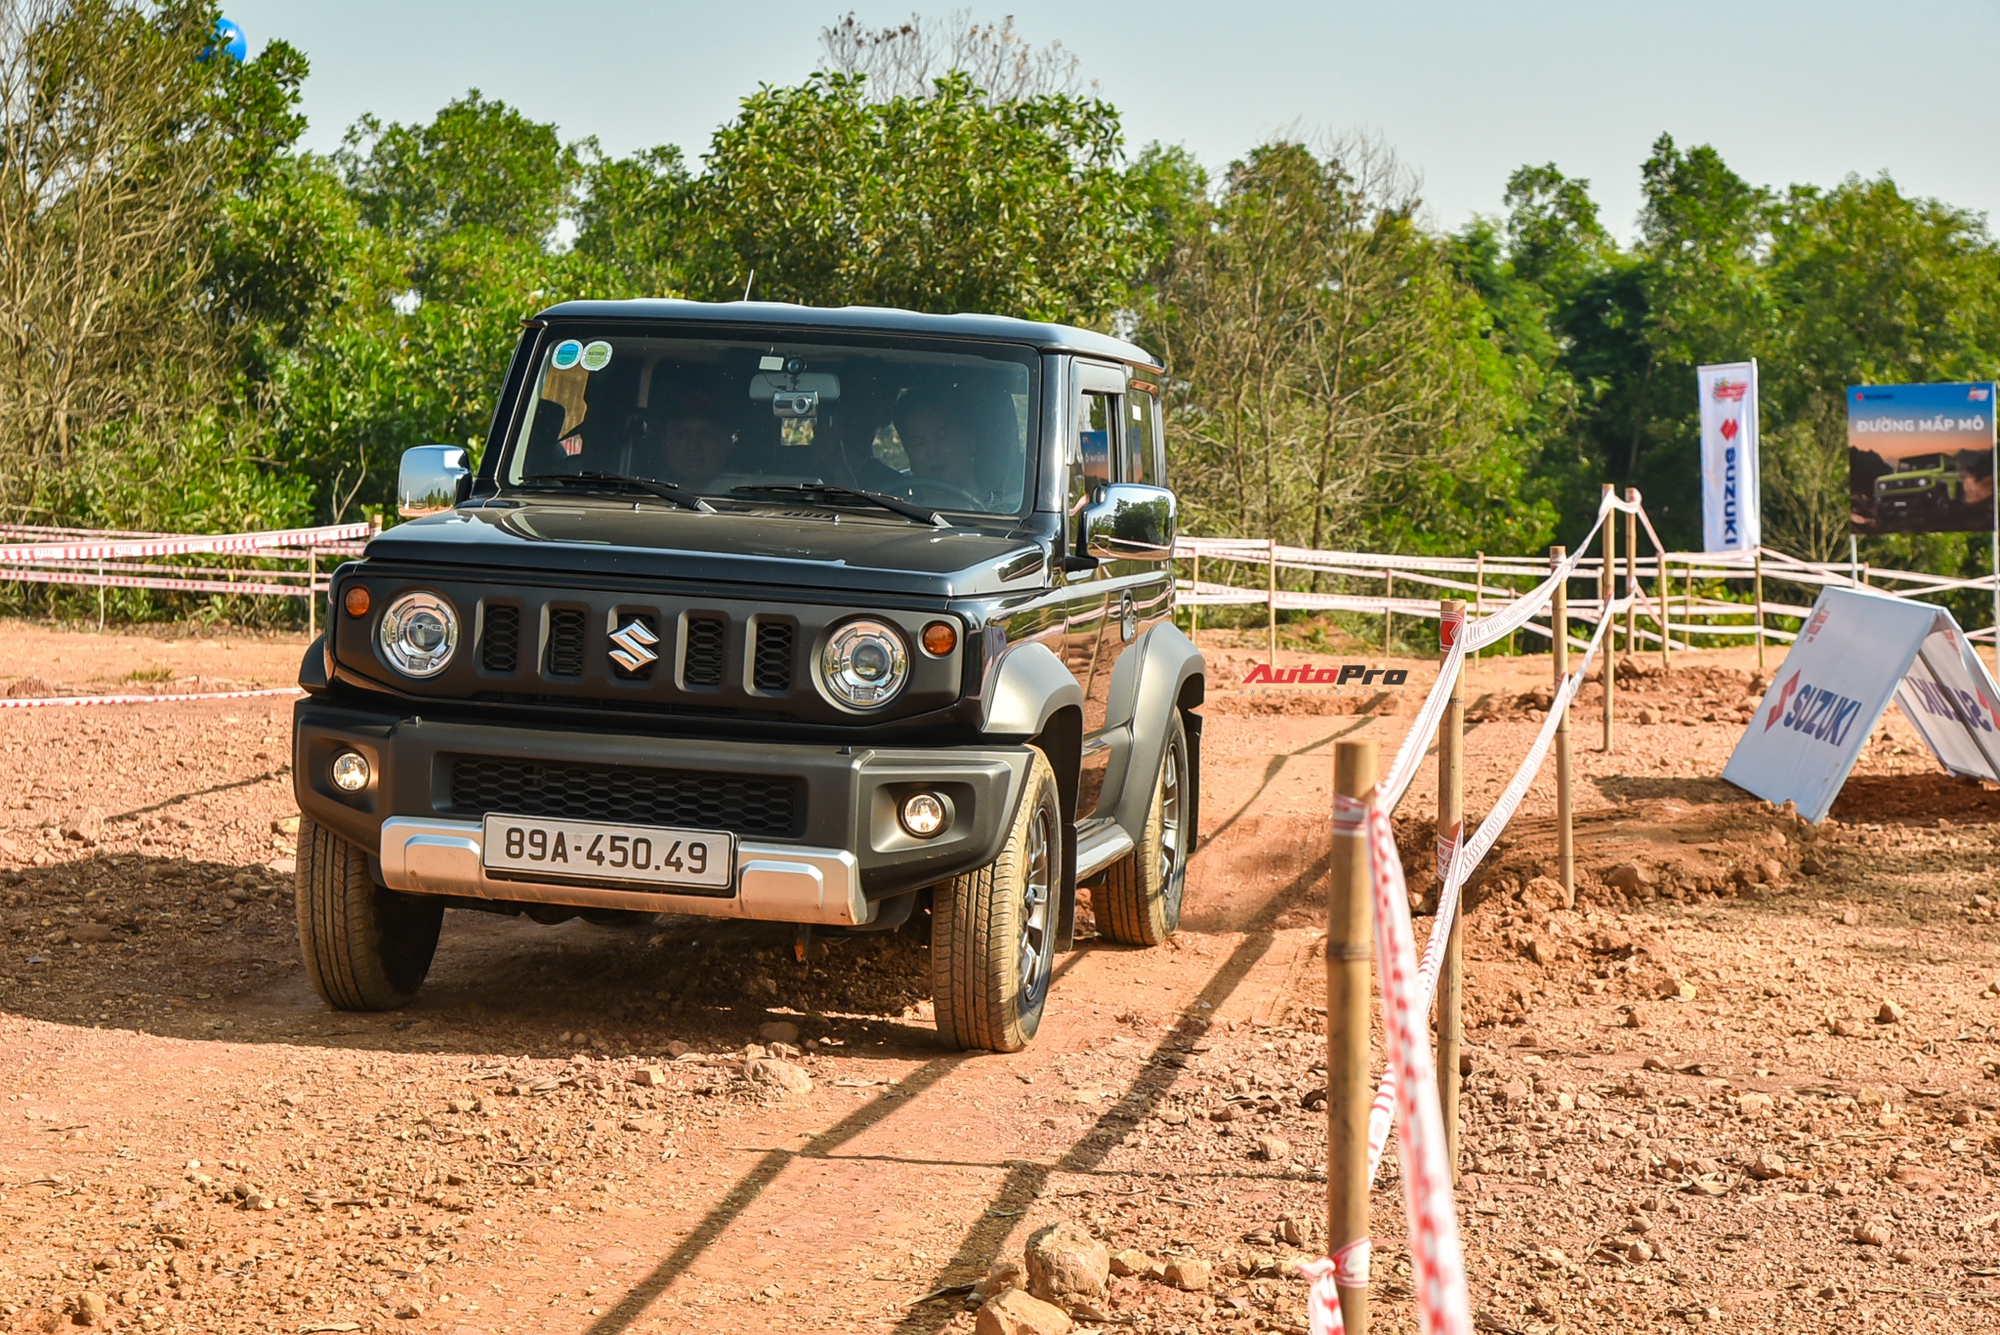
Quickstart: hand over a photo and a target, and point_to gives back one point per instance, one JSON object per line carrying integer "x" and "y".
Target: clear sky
{"x": 1464, "y": 92}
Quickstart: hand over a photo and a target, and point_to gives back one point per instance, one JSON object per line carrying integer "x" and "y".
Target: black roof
{"x": 868, "y": 319}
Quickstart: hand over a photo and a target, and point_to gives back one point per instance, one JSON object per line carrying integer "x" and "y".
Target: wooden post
{"x": 312, "y": 592}
{"x": 1271, "y": 592}
{"x": 1194, "y": 608}
{"x": 1559, "y": 636}
{"x": 1632, "y": 575}
{"x": 1688, "y": 607}
{"x": 1606, "y": 575}
{"x": 1662, "y": 587}
{"x": 1388, "y": 617}
{"x": 1757, "y": 592}
{"x": 1350, "y": 941}
{"x": 1479, "y": 590}
{"x": 100, "y": 596}
{"x": 1450, "y": 830}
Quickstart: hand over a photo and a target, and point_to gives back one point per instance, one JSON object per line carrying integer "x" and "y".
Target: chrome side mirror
{"x": 1130, "y": 522}
{"x": 433, "y": 478}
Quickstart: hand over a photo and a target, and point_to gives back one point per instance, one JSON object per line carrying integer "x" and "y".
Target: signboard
{"x": 1856, "y": 652}
{"x": 1731, "y": 520}
{"x": 1920, "y": 457}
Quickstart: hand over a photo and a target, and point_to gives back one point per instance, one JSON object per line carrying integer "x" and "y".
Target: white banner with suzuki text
{"x": 1731, "y": 520}
{"x": 1857, "y": 652}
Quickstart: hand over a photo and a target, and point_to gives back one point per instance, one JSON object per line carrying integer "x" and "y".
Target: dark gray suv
{"x": 827, "y": 617}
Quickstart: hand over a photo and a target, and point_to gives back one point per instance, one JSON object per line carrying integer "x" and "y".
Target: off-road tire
{"x": 1138, "y": 903}
{"x": 978, "y": 922}
{"x": 366, "y": 947}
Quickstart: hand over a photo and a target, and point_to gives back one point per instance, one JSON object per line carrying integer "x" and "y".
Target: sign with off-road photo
{"x": 1920, "y": 457}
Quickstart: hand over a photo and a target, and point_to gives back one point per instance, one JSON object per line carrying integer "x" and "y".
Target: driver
{"x": 697, "y": 451}
{"x": 940, "y": 443}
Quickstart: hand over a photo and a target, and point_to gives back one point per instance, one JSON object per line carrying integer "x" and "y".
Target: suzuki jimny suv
{"x": 826, "y": 617}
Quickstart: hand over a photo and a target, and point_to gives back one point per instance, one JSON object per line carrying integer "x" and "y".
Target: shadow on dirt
{"x": 1916, "y": 799}
{"x": 1700, "y": 791}
{"x": 196, "y": 949}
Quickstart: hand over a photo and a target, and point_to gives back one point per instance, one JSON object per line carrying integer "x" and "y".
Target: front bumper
{"x": 777, "y": 882}
{"x": 844, "y": 853}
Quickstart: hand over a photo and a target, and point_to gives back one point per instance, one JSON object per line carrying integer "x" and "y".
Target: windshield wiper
{"x": 666, "y": 491}
{"x": 904, "y": 508}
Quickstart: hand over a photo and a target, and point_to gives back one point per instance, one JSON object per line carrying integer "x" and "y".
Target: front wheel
{"x": 366, "y": 947}
{"x": 1139, "y": 901}
{"x": 993, "y": 930}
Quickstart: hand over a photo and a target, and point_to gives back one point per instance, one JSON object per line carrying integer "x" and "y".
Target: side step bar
{"x": 1100, "y": 848}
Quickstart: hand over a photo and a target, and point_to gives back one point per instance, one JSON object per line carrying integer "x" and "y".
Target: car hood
{"x": 797, "y": 549}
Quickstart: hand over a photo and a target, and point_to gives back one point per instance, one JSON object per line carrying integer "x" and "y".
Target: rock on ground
{"x": 1066, "y": 1265}
{"x": 1012, "y": 1312}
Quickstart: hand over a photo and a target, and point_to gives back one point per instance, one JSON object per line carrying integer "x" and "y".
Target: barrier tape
{"x": 73, "y": 701}
{"x": 1407, "y": 1095}
{"x": 182, "y": 545}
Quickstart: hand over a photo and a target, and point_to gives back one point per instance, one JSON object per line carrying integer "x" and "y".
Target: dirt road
{"x": 1753, "y": 1087}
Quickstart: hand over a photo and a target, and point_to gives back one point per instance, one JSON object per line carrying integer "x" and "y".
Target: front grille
{"x": 565, "y": 656}
{"x": 702, "y": 664}
{"x": 773, "y": 666}
{"x": 500, "y": 640}
{"x": 773, "y": 807}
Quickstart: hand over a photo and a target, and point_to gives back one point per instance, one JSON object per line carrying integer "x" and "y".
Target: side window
{"x": 1141, "y": 411}
{"x": 1094, "y": 438}
{"x": 1096, "y": 442}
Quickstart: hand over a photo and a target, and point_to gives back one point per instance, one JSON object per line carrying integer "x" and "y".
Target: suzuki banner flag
{"x": 1858, "y": 651}
{"x": 1730, "y": 517}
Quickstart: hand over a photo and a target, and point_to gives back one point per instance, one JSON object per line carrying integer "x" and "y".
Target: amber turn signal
{"x": 355, "y": 600}
{"x": 940, "y": 638}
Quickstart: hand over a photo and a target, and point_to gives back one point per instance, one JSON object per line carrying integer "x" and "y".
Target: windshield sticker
{"x": 596, "y": 356}
{"x": 572, "y": 445}
{"x": 567, "y": 354}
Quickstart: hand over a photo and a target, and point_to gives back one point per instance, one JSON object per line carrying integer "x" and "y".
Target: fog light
{"x": 924, "y": 814}
{"x": 350, "y": 772}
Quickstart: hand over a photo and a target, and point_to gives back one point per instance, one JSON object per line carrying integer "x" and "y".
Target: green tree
{"x": 945, "y": 202}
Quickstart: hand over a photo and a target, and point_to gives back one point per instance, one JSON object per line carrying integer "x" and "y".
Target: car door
{"x": 1097, "y": 408}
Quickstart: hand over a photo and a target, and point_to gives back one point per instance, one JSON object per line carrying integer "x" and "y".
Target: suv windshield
{"x": 943, "y": 425}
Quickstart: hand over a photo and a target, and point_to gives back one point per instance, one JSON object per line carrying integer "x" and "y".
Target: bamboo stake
{"x": 1350, "y": 933}
{"x": 1194, "y": 608}
{"x": 1606, "y": 573}
{"x": 1758, "y": 593}
{"x": 1271, "y": 655}
{"x": 1662, "y": 586}
{"x": 1631, "y": 575}
{"x": 1559, "y": 626}
{"x": 1388, "y": 617}
{"x": 1688, "y": 606}
{"x": 1450, "y": 830}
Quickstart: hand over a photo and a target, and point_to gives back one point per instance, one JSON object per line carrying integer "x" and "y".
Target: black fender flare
{"x": 1032, "y": 696}
{"x": 1168, "y": 675}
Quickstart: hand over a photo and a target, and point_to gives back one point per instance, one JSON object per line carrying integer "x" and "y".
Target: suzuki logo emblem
{"x": 634, "y": 645}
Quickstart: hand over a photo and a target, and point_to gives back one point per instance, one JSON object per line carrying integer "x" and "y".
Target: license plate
{"x": 601, "y": 851}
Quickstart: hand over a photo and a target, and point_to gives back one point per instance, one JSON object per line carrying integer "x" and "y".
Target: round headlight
{"x": 419, "y": 632}
{"x": 864, "y": 664}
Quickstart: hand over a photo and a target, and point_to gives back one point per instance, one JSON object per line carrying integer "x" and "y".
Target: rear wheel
{"x": 1139, "y": 901}
{"x": 993, "y": 930}
{"x": 366, "y": 947}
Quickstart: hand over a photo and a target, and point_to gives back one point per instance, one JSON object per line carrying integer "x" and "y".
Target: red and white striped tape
{"x": 75, "y": 701}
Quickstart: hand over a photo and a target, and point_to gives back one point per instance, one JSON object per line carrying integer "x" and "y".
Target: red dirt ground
{"x": 1770, "y": 1060}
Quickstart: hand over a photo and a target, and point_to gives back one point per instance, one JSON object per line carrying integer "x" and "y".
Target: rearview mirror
{"x": 1130, "y": 522}
{"x": 432, "y": 479}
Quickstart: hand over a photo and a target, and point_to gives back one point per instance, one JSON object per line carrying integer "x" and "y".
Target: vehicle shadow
{"x": 207, "y": 950}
